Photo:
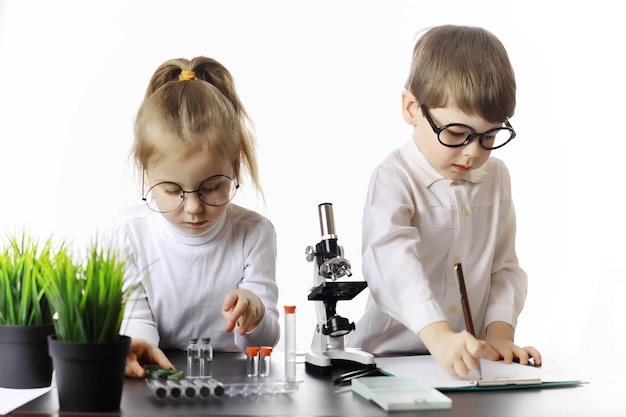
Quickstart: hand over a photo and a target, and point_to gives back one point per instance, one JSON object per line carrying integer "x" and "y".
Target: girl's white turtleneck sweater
{"x": 186, "y": 277}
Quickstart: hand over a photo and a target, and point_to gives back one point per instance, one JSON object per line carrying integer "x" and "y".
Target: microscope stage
{"x": 337, "y": 290}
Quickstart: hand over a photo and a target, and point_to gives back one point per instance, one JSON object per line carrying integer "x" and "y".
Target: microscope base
{"x": 321, "y": 363}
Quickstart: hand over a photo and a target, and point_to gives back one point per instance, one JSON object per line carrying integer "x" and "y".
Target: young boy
{"x": 440, "y": 200}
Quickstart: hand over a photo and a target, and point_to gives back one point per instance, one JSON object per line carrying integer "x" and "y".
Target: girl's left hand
{"x": 244, "y": 309}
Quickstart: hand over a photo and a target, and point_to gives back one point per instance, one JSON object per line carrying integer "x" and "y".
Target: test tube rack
{"x": 198, "y": 389}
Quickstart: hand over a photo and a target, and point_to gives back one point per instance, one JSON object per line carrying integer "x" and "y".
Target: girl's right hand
{"x": 242, "y": 309}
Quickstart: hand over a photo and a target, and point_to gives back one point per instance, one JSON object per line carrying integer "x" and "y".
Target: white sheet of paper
{"x": 11, "y": 399}
{"x": 425, "y": 368}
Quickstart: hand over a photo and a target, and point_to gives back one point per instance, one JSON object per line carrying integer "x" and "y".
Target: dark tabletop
{"x": 604, "y": 395}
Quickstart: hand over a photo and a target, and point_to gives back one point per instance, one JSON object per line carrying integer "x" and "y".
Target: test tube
{"x": 204, "y": 389}
{"x": 173, "y": 388}
{"x": 252, "y": 352}
{"x": 290, "y": 343}
{"x": 217, "y": 387}
{"x": 188, "y": 388}
{"x": 158, "y": 388}
{"x": 265, "y": 360}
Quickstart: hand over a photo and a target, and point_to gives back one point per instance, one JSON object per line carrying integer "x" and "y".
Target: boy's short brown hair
{"x": 465, "y": 67}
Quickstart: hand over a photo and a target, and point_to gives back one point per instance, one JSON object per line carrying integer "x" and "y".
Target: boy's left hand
{"x": 244, "y": 309}
{"x": 509, "y": 352}
{"x": 500, "y": 337}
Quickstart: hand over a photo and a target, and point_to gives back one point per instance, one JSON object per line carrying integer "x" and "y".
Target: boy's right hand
{"x": 455, "y": 353}
{"x": 142, "y": 352}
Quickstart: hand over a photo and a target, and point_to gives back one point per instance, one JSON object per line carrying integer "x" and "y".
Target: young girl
{"x": 207, "y": 266}
{"x": 441, "y": 199}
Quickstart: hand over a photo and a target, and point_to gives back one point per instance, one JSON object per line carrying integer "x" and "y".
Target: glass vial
{"x": 290, "y": 343}
{"x": 252, "y": 352}
{"x": 193, "y": 358}
{"x": 206, "y": 358}
{"x": 265, "y": 360}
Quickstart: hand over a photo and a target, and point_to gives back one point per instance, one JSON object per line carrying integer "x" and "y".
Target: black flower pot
{"x": 89, "y": 376}
{"x": 25, "y": 359}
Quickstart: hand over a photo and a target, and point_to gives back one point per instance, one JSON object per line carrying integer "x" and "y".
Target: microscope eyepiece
{"x": 329, "y": 254}
{"x": 327, "y": 221}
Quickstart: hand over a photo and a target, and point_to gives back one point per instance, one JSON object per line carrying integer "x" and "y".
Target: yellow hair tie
{"x": 186, "y": 75}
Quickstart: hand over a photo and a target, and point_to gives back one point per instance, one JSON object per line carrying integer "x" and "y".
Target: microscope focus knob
{"x": 310, "y": 253}
{"x": 338, "y": 326}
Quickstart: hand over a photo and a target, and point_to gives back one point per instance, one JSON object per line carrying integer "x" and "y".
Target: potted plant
{"x": 25, "y": 316}
{"x": 87, "y": 350}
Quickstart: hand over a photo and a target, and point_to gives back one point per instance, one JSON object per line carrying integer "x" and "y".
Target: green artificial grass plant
{"x": 22, "y": 300}
{"x": 88, "y": 297}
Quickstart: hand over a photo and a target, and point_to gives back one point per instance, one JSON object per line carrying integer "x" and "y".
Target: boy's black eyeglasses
{"x": 216, "y": 190}
{"x": 454, "y": 135}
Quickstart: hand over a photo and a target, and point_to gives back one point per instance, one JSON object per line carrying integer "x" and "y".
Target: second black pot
{"x": 89, "y": 376}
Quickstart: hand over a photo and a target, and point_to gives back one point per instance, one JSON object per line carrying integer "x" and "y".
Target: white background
{"x": 322, "y": 82}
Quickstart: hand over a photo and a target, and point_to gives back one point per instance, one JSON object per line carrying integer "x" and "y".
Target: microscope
{"x": 327, "y": 346}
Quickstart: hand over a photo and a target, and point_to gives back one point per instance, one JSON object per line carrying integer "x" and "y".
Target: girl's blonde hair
{"x": 465, "y": 67}
{"x": 192, "y": 105}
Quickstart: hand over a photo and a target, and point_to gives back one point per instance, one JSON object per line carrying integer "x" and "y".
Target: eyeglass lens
{"x": 456, "y": 135}
{"x": 168, "y": 196}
